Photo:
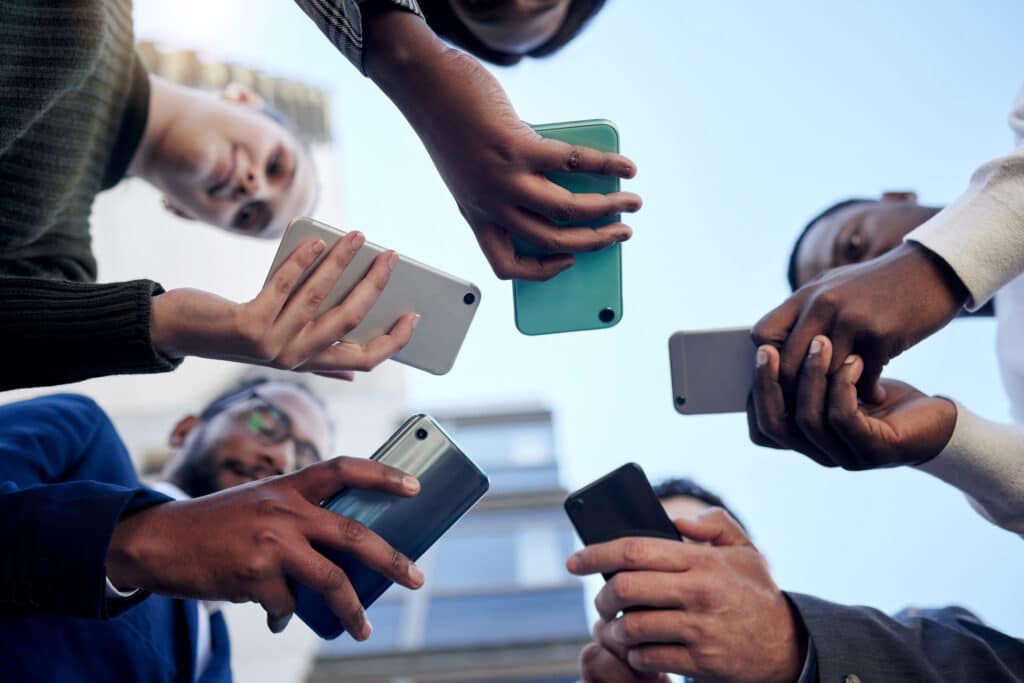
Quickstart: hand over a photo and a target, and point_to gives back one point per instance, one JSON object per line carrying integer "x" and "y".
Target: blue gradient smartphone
{"x": 450, "y": 484}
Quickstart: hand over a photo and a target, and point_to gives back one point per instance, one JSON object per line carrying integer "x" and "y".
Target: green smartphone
{"x": 587, "y": 296}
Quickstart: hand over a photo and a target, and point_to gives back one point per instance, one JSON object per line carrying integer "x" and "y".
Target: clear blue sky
{"x": 743, "y": 122}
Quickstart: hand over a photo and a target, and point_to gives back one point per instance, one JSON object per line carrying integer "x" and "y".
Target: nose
{"x": 280, "y": 459}
{"x": 248, "y": 185}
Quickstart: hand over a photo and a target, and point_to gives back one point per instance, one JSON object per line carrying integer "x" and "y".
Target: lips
{"x": 225, "y": 174}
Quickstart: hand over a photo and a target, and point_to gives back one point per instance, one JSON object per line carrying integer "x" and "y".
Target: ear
{"x": 178, "y": 211}
{"x": 904, "y": 197}
{"x": 181, "y": 430}
{"x": 241, "y": 94}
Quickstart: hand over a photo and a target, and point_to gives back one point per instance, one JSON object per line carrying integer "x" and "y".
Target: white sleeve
{"x": 981, "y": 234}
{"x": 985, "y": 460}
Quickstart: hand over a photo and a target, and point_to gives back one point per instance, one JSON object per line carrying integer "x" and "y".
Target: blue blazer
{"x": 65, "y": 481}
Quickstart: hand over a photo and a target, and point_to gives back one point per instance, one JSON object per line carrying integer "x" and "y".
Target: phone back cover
{"x": 574, "y": 299}
{"x": 450, "y": 484}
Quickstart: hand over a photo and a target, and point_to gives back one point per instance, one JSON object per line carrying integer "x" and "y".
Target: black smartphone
{"x": 618, "y": 505}
{"x": 450, "y": 484}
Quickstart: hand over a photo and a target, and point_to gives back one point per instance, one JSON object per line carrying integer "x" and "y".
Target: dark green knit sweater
{"x": 73, "y": 105}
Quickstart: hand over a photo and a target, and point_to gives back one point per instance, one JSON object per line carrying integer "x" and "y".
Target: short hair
{"x": 686, "y": 487}
{"x": 243, "y": 388}
{"x": 791, "y": 270}
{"x": 447, "y": 25}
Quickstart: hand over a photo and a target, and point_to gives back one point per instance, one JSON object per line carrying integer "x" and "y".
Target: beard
{"x": 198, "y": 474}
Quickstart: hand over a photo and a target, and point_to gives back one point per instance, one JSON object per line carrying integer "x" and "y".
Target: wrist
{"x": 796, "y": 649}
{"x": 932, "y": 268}
{"x": 131, "y": 550}
{"x": 161, "y": 325}
{"x": 395, "y": 43}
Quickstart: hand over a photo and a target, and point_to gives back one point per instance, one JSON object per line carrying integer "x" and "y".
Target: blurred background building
{"x": 498, "y": 605}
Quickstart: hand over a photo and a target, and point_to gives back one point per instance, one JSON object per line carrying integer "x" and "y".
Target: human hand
{"x": 713, "y": 611}
{"x": 598, "y": 665}
{"x": 244, "y": 543}
{"x": 829, "y": 424}
{"x": 876, "y": 309}
{"x": 280, "y": 328}
{"x": 492, "y": 162}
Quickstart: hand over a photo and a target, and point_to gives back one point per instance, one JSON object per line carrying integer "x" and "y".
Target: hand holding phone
{"x": 446, "y": 304}
{"x": 450, "y": 484}
{"x": 712, "y": 370}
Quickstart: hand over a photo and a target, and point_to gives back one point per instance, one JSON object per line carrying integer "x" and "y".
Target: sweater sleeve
{"x": 985, "y": 460}
{"x": 57, "y": 331}
{"x": 981, "y": 234}
{"x": 342, "y": 22}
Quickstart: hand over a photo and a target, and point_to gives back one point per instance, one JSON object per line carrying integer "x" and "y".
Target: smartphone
{"x": 446, "y": 304}
{"x": 587, "y": 296}
{"x": 450, "y": 484}
{"x": 619, "y": 505}
{"x": 712, "y": 370}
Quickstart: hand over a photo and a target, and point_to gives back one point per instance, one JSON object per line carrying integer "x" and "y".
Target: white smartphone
{"x": 712, "y": 370}
{"x": 446, "y": 304}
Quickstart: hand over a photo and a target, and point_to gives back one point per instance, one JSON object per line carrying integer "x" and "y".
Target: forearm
{"x": 985, "y": 460}
{"x": 981, "y": 234}
{"x": 57, "y": 332}
{"x": 946, "y": 645}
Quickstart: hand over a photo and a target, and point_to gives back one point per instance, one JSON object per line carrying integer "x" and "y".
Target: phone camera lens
{"x": 606, "y": 315}
{"x": 469, "y": 299}
{"x": 421, "y": 433}
{"x": 680, "y": 401}
{"x": 577, "y": 503}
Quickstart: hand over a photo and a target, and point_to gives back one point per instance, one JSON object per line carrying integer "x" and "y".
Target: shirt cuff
{"x": 342, "y": 22}
{"x": 981, "y": 234}
{"x": 114, "y": 594}
{"x": 985, "y": 460}
{"x": 809, "y": 674}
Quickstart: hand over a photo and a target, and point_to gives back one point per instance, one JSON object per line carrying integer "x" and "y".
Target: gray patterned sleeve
{"x": 341, "y": 21}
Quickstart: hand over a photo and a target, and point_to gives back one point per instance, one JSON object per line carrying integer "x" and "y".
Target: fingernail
{"x": 761, "y": 358}
{"x": 415, "y": 320}
{"x": 318, "y": 247}
{"x": 850, "y": 360}
{"x": 392, "y": 260}
{"x": 574, "y": 563}
{"x": 815, "y": 348}
{"x": 623, "y": 236}
{"x": 358, "y": 240}
{"x": 367, "y": 629}
{"x": 410, "y": 484}
{"x": 416, "y": 574}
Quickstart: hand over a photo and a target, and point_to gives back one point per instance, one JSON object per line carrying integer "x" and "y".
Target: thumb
{"x": 714, "y": 526}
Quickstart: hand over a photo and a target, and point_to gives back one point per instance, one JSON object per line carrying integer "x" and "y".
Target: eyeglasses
{"x": 266, "y": 422}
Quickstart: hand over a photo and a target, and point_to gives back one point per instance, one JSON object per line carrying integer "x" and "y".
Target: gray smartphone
{"x": 712, "y": 370}
{"x": 446, "y": 304}
{"x": 450, "y": 484}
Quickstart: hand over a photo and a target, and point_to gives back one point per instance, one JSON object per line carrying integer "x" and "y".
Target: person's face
{"x": 858, "y": 232}
{"x": 232, "y": 448}
{"x": 684, "y": 506}
{"x": 512, "y": 26}
{"x": 226, "y": 163}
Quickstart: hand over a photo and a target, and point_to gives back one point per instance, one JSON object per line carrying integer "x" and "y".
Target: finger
{"x": 346, "y": 375}
{"x": 282, "y": 283}
{"x": 334, "y": 324}
{"x": 715, "y": 526}
{"x": 813, "y": 321}
{"x": 556, "y": 203}
{"x": 812, "y": 401}
{"x": 317, "y": 573}
{"x": 561, "y": 156}
{"x": 323, "y": 479}
{"x": 303, "y": 304}
{"x": 507, "y": 264}
{"x": 674, "y": 658}
{"x": 770, "y": 406}
{"x": 844, "y": 414}
{"x": 336, "y": 531}
{"x": 774, "y": 327}
{"x": 754, "y": 431}
{"x": 598, "y": 665}
{"x": 550, "y": 238}
{"x": 279, "y": 602}
{"x": 648, "y": 589}
{"x": 634, "y": 554}
{"x": 645, "y": 627}
{"x": 365, "y": 357}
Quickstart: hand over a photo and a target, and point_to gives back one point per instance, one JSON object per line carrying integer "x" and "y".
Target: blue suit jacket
{"x": 65, "y": 481}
